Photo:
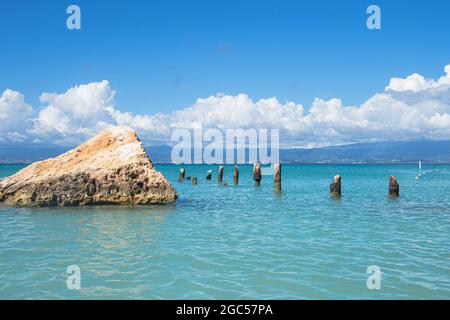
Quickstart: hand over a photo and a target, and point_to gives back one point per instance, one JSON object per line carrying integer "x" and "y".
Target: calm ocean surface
{"x": 242, "y": 242}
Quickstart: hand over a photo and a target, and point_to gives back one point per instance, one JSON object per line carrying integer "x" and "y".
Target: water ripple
{"x": 242, "y": 242}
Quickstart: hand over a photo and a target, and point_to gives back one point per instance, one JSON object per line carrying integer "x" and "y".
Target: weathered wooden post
{"x": 335, "y": 186}
{"x": 220, "y": 174}
{"x": 208, "y": 176}
{"x": 236, "y": 175}
{"x": 181, "y": 176}
{"x": 277, "y": 177}
{"x": 194, "y": 180}
{"x": 257, "y": 173}
{"x": 394, "y": 187}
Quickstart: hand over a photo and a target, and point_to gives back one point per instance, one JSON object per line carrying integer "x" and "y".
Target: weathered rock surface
{"x": 111, "y": 168}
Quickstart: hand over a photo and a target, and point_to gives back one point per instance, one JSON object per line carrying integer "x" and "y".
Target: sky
{"x": 309, "y": 68}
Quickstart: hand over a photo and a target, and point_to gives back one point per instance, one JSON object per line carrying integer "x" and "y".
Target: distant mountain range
{"x": 378, "y": 152}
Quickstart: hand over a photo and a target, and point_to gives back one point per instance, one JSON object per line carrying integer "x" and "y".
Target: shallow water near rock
{"x": 242, "y": 242}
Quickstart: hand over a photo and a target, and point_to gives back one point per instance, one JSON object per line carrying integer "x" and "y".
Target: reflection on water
{"x": 242, "y": 241}
{"x": 120, "y": 227}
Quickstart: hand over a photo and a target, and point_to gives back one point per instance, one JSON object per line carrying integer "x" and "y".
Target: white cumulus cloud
{"x": 77, "y": 114}
{"x": 409, "y": 108}
{"x": 15, "y": 116}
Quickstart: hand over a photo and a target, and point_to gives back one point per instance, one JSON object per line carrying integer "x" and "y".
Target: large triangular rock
{"x": 111, "y": 168}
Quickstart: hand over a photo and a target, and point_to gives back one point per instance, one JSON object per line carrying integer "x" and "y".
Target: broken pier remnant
{"x": 335, "y": 186}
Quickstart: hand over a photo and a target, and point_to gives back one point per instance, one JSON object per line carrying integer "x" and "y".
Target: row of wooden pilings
{"x": 257, "y": 176}
{"x": 335, "y": 186}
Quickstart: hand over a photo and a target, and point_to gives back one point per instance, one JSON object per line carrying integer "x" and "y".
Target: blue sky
{"x": 161, "y": 56}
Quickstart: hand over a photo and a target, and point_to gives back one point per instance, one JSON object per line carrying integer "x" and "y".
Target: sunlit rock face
{"x": 111, "y": 168}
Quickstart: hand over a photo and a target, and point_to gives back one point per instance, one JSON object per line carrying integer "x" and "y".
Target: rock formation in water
{"x": 335, "y": 186}
{"x": 394, "y": 187}
{"x": 111, "y": 168}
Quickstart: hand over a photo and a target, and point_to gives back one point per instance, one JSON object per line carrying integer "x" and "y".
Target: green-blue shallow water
{"x": 242, "y": 242}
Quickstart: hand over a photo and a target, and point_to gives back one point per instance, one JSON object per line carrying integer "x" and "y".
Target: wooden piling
{"x": 394, "y": 187}
{"x": 335, "y": 186}
{"x": 257, "y": 173}
{"x": 277, "y": 177}
{"x": 181, "y": 176}
{"x": 220, "y": 174}
{"x": 194, "y": 180}
{"x": 236, "y": 175}
{"x": 208, "y": 176}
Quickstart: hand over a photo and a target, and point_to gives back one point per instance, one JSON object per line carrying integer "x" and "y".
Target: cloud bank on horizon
{"x": 409, "y": 108}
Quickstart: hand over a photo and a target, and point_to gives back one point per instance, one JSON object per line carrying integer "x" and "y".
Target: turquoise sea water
{"x": 242, "y": 242}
